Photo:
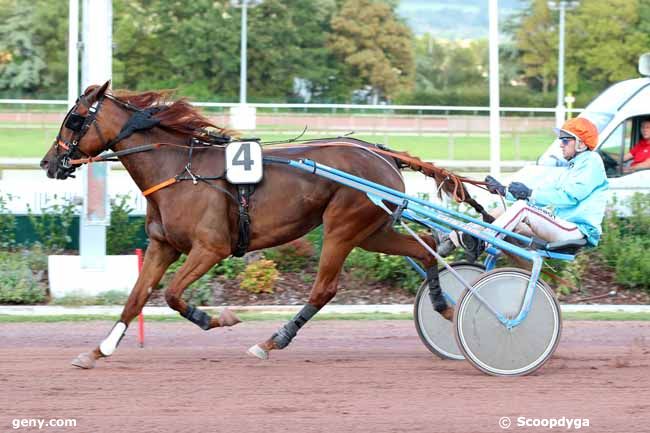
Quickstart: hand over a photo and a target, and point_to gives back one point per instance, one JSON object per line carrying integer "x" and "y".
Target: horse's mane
{"x": 178, "y": 115}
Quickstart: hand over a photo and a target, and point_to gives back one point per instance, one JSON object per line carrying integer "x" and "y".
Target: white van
{"x": 617, "y": 113}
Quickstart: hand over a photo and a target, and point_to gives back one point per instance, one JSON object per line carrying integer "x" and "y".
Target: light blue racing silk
{"x": 578, "y": 195}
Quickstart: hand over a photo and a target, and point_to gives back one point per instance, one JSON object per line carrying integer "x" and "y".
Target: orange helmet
{"x": 582, "y": 129}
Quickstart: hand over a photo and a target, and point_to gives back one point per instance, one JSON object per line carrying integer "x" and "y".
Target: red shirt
{"x": 641, "y": 151}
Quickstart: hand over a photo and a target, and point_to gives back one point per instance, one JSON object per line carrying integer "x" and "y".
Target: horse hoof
{"x": 228, "y": 318}
{"x": 85, "y": 361}
{"x": 258, "y": 352}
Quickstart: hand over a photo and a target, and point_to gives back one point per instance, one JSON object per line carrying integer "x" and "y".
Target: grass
{"x": 256, "y": 317}
{"x": 34, "y": 142}
{"x": 111, "y": 297}
{"x": 620, "y": 316}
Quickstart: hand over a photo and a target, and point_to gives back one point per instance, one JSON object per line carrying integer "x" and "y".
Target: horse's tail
{"x": 447, "y": 181}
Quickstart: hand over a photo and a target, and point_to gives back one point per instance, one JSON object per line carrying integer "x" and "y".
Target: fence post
{"x": 138, "y": 252}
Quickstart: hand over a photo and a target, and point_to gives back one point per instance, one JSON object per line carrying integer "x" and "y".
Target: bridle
{"x": 67, "y": 150}
{"x": 69, "y": 156}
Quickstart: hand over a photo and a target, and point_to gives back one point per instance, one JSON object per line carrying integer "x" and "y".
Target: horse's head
{"x": 83, "y": 134}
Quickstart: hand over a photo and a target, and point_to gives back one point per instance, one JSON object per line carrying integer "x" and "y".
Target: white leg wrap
{"x": 109, "y": 344}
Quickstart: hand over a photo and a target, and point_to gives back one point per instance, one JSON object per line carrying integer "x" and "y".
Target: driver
{"x": 640, "y": 153}
{"x": 576, "y": 198}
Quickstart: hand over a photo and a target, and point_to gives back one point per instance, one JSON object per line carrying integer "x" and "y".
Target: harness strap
{"x": 160, "y": 186}
{"x": 244, "y": 238}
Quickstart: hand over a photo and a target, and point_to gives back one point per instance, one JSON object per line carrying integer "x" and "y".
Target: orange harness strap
{"x": 160, "y": 186}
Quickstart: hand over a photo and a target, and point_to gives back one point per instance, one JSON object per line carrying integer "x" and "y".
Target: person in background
{"x": 639, "y": 154}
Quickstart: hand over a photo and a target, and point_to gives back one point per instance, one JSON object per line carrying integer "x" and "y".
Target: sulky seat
{"x": 567, "y": 247}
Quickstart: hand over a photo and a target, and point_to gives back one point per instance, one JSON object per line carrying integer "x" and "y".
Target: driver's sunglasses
{"x": 564, "y": 141}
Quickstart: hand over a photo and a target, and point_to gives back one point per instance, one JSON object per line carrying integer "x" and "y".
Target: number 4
{"x": 244, "y": 159}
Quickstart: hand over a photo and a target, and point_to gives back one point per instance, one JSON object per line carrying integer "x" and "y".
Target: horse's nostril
{"x": 44, "y": 164}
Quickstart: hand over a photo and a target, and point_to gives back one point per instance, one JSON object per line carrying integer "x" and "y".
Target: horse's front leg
{"x": 158, "y": 257}
{"x": 199, "y": 261}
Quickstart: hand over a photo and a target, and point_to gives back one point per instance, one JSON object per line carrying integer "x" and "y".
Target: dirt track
{"x": 368, "y": 376}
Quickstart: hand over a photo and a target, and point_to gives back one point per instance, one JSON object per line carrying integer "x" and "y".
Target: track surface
{"x": 337, "y": 376}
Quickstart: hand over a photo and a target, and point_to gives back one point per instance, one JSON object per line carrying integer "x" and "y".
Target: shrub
{"x": 259, "y": 276}
{"x": 229, "y": 268}
{"x": 633, "y": 265}
{"x": 17, "y": 282}
{"x": 121, "y": 236}
{"x": 626, "y": 241}
{"x": 197, "y": 293}
{"x": 610, "y": 245}
{"x": 53, "y": 226}
{"x": 7, "y": 223}
{"x": 315, "y": 238}
{"x": 382, "y": 267}
{"x": 571, "y": 272}
{"x": 294, "y": 256}
{"x": 35, "y": 258}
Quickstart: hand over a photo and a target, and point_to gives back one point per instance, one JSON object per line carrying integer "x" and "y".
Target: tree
{"x": 194, "y": 47}
{"x": 442, "y": 64}
{"x": 191, "y": 46}
{"x": 375, "y": 44}
{"x": 21, "y": 60}
{"x": 537, "y": 41}
{"x": 605, "y": 41}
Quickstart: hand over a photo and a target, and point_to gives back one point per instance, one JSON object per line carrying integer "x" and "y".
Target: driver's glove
{"x": 494, "y": 186}
{"x": 519, "y": 190}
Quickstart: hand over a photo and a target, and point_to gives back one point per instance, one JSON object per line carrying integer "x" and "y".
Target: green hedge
{"x": 480, "y": 97}
{"x": 19, "y": 277}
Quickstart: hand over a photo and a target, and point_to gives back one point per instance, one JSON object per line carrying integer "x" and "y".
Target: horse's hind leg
{"x": 332, "y": 257}
{"x": 388, "y": 241}
{"x": 158, "y": 257}
{"x": 198, "y": 262}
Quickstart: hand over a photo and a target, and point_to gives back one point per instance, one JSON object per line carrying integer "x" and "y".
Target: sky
{"x": 454, "y": 19}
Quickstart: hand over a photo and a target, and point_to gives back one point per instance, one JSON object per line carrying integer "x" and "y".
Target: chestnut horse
{"x": 155, "y": 140}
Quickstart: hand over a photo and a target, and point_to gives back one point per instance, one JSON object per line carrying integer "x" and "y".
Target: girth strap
{"x": 244, "y": 193}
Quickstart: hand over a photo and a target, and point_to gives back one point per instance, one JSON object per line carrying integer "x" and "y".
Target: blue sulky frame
{"x": 436, "y": 217}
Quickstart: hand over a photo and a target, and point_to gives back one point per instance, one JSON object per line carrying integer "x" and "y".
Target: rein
{"x": 459, "y": 193}
{"x": 114, "y": 155}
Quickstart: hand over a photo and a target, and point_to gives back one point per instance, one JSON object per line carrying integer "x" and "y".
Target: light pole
{"x": 562, "y": 6}
{"x": 243, "y": 116}
{"x": 495, "y": 100}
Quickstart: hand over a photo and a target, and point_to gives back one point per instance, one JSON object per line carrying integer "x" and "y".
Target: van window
{"x": 614, "y": 148}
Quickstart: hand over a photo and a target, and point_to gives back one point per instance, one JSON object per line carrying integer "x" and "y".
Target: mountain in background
{"x": 454, "y": 19}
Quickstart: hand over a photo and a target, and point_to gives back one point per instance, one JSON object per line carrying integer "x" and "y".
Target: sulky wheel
{"x": 489, "y": 345}
{"x": 436, "y": 332}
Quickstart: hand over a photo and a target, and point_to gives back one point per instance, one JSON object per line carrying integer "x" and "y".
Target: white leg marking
{"x": 108, "y": 346}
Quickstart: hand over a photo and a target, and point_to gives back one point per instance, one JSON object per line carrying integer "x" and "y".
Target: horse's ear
{"x": 102, "y": 89}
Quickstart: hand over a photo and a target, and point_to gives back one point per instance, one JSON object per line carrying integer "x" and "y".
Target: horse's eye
{"x": 75, "y": 122}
